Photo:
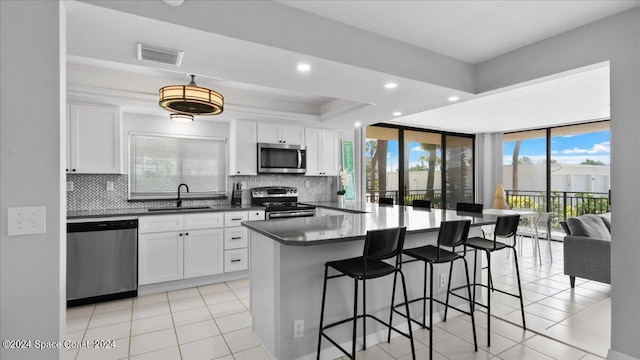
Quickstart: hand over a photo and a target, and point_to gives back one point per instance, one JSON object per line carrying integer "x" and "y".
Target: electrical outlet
{"x": 307, "y": 184}
{"x": 443, "y": 280}
{"x": 243, "y": 184}
{"x": 298, "y": 328}
{"x": 69, "y": 185}
{"x": 109, "y": 185}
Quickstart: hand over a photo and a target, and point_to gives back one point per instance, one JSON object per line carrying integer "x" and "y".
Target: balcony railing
{"x": 435, "y": 196}
{"x": 564, "y": 204}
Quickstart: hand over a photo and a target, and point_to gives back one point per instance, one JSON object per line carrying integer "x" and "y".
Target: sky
{"x": 571, "y": 149}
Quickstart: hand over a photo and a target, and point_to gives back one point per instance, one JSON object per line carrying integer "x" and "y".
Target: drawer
{"x": 235, "y": 238}
{"x": 256, "y": 215}
{"x": 234, "y": 218}
{"x": 160, "y": 223}
{"x": 209, "y": 220}
{"x": 235, "y": 260}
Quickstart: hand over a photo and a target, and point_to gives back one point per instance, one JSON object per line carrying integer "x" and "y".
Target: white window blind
{"x": 159, "y": 163}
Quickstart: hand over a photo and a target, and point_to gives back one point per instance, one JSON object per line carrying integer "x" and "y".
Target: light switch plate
{"x": 69, "y": 185}
{"x": 26, "y": 220}
{"x": 109, "y": 185}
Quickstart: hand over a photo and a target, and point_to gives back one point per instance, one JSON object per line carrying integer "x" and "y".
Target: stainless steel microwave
{"x": 282, "y": 158}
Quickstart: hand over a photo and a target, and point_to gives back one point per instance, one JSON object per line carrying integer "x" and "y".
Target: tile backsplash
{"x": 89, "y": 191}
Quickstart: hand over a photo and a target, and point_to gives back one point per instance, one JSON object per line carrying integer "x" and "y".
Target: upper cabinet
{"x": 94, "y": 139}
{"x": 243, "y": 156}
{"x": 282, "y": 134}
{"x": 321, "y": 152}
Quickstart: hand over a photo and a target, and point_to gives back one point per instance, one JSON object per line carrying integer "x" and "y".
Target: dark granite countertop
{"x": 347, "y": 206}
{"x": 108, "y": 213}
{"x": 339, "y": 228}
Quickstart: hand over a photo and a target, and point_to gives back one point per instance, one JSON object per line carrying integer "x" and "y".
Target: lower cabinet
{"x": 174, "y": 247}
{"x": 203, "y": 252}
{"x": 160, "y": 257}
{"x": 184, "y": 252}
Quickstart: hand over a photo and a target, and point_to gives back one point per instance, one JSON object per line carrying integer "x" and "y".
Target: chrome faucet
{"x": 179, "y": 203}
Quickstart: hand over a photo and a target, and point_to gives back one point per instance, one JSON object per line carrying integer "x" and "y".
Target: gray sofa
{"x": 587, "y": 248}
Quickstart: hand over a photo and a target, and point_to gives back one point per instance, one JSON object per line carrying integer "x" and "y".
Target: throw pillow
{"x": 591, "y": 226}
{"x": 607, "y": 220}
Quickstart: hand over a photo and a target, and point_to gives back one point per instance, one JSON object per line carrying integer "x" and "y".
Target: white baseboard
{"x": 187, "y": 283}
{"x": 615, "y": 355}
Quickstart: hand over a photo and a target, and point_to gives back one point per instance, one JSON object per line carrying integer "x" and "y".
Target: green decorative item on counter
{"x": 348, "y": 166}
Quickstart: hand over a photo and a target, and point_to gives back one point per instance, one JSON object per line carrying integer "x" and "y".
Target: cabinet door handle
{"x": 236, "y": 260}
{"x": 187, "y": 234}
{"x": 180, "y": 234}
{"x": 236, "y": 219}
{"x": 73, "y": 170}
{"x": 236, "y": 238}
{"x": 238, "y": 172}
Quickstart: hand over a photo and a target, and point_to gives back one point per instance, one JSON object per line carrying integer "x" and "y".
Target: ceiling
{"x": 250, "y": 50}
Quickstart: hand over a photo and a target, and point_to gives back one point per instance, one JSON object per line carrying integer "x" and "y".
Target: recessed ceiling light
{"x": 397, "y": 113}
{"x": 174, "y": 3}
{"x": 453, "y": 98}
{"x": 357, "y": 124}
{"x": 304, "y": 67}
{"x": 391, "y": 85}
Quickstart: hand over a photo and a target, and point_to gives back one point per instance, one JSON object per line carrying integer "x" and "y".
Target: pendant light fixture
{"x": 182, "y": 118}
{"x": 191, "y": 99}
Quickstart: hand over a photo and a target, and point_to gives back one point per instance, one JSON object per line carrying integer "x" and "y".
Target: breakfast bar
{"x": 287, "y": 265}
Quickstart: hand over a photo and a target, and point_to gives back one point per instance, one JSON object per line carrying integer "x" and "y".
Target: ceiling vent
{"x": 159, "y": 55}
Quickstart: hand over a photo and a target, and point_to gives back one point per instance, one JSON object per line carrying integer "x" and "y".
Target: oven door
{"x": 290, "y": 214}
{"x": 282, "y": 159}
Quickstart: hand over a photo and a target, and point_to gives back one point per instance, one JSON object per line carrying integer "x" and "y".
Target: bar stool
{"x": 506, "y": 227}
{"x": 385, "y": 201}
{"x": 451, "y": 235}
{"x": 379, "y": 245}
{"x": 418, "y": 203}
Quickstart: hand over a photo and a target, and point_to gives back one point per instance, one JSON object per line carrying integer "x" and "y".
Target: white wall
{"x": 615, "y": 39}
{"x": 32, "y": 283}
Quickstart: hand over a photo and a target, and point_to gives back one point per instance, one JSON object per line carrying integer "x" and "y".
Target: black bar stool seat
{"x": 484, "y": 244}
{"x": 354, "y": 268}
{"x": 432, "y": 254}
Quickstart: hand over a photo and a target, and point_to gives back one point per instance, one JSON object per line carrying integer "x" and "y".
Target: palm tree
{"x": 514, "y": 162}
{"x": 432, "y": 149}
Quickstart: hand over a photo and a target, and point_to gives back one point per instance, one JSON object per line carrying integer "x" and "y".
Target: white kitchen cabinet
{"x": 235, "y": 260}
{"x": 173, "y": 247}
{"x": 94, "y": 139}
{"x": 256, "y": 214}
{"x": 160, "y": 257}
{"x": 321, "y": 152}
{"x": 283, "y": 134}
{"x": 243, "y": 156}
{"x": 203, "y": 252}
{"x": 236, "y": 238}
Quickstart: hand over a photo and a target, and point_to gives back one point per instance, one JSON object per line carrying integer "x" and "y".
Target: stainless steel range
{"x": 280, "y": 202}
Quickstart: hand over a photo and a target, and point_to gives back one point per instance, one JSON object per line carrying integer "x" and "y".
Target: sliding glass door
{"x": 408, "y": 163}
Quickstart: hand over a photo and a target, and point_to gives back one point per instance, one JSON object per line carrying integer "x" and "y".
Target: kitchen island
{"x": 287, "y": 267}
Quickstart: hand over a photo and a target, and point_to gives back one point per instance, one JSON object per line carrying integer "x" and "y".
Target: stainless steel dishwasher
{"x": 102, "y": 260}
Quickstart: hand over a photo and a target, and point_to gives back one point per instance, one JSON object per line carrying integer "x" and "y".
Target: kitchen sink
{"x": 182, "y": 208}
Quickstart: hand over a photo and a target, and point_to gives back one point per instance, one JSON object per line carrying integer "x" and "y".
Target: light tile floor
{"x": 213, "y": 322}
